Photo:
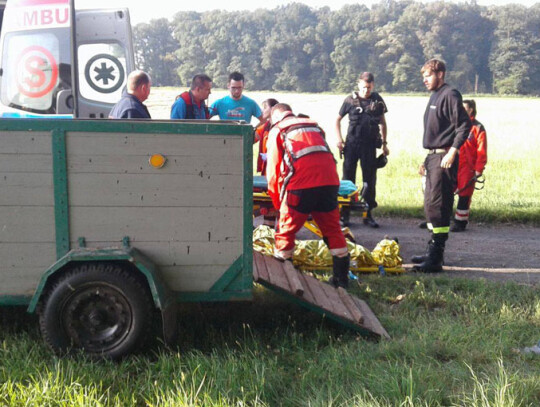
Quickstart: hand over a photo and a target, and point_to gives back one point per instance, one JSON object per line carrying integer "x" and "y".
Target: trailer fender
{"x": 161, "y": 294}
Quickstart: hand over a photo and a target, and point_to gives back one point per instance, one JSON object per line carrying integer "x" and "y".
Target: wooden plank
{"x": 26, "y": 189}
{"x": 25, "y": 224}
{"x": 192, "y": 278}
{"x": 183, "y": 224}
{"x": 255, "y": 270}
{"x": 260, "y": 266}
{"x": 292, "y": 277}
{"x": 371, "y": 322}
{"x": 22, "y": 255}
{"x": 27, "y": 142}
{"x": 156, "y": 189}
{"x": 20, "y": 281}
{"x": 314, "y": 286}
{"x": 350, "y": 304}
{"x": 169, "y": 253}
{"x": 181, "y": 145}
{"x": 22, "y": 162}
{"x": 337, "y": 305}
{"x": 309, "y": 295}
{"x": 138, "y": 164}
{"x": 276, "y": 273}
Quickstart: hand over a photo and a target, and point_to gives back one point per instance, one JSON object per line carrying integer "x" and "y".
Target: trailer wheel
{"x": 98, "y": 307}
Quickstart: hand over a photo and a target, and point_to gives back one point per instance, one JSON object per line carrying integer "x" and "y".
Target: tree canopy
{"x": 492, "y": 49}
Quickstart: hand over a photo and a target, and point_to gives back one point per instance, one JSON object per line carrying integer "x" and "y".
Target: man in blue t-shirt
{"x": 236, "y": 106}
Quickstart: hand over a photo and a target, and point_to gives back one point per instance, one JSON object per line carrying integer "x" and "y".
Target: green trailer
{"x": 105, "y": 221}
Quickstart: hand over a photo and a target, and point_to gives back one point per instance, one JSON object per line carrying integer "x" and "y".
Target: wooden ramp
{"x": 336, "y": 304}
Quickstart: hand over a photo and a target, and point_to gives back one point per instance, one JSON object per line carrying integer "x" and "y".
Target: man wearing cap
{"x": 446, "y": 127}
{"x": 303, "y": 180}
{"x": 367, "y": 132}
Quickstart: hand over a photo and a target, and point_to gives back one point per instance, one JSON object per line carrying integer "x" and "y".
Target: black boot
{"x": 368, "y": 220}
{"x": 341, "y": 271}
{"x": 420, "y": 258}
{"x": 434, "y": 261}
{"x": 459, "y": 226}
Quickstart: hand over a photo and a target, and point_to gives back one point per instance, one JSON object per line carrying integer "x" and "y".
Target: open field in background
{"x": 511, "y": 192}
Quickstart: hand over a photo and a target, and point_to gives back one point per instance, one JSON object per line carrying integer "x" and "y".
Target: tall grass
{"x": 454, "y": 343}
{"x": 510, "y": 194}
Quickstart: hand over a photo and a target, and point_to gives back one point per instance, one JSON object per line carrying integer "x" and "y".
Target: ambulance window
{"x": 34, "y": 69}
{"x": 102, "y": 71}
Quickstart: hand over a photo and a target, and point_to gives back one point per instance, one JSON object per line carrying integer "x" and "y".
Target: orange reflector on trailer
{"x": 157, "y": 160}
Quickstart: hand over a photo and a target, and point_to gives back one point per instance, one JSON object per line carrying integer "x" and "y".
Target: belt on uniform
{"x": 437, "y": 151}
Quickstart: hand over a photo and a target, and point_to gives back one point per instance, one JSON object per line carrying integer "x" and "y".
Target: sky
{"x": 140, "y": 12}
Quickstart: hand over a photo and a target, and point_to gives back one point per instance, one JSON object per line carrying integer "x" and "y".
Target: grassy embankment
{"x": 453, "y": 344}
{"x": 510, "y": 194}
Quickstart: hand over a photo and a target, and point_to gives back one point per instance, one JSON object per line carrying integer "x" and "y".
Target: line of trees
{"x": 492, "y": 49}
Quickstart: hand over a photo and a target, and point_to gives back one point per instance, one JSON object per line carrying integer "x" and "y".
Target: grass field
{"x": 510, "y": 193}
{"x": 454, "y": 343}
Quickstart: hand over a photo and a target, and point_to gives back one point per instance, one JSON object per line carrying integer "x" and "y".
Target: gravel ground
{"x": 501, "y": 252}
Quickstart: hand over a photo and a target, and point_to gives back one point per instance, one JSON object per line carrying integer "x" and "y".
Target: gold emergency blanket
{"x": 315, "y": 255}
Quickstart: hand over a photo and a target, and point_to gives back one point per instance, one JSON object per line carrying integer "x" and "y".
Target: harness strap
{"x": 190, "y": 110}
{"x": 290, "y": 156}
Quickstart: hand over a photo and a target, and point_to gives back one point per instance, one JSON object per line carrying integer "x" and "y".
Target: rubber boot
{"x": 434, "y": 261}
{"x": 459, "y": 226}
{"x": 420, "y": 258}
{"x": 340, "y": 271}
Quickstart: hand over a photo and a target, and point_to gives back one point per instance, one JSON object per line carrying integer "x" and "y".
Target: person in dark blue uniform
{"x": 446, "y": 127}
{"x": 131, "y": 106}
{"x": 367, "y": 132}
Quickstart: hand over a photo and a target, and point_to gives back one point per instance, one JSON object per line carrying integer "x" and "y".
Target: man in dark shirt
{"x": 367, "y": 127}
{"x": 446, "y": 127}
{"x": 131, "y": 106}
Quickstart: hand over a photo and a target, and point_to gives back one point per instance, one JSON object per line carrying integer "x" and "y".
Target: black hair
{"x": 472, "y": 104}
{"x": 236, "y": 76}
{"x": 199, "y": 80}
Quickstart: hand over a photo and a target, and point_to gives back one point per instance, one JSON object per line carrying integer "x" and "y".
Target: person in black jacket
{"x": 446, "y": 127}
{"x": 367, "y": 132}
{"x": 130, "y": 106}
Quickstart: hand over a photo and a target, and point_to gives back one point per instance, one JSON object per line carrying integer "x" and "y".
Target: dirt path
{"x": 494, "y": 252}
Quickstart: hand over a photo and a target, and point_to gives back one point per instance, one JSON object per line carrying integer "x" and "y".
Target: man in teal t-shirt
{"x": 236, "y": 106}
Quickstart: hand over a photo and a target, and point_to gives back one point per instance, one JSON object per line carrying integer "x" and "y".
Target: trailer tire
{"x": 100, "y": 308}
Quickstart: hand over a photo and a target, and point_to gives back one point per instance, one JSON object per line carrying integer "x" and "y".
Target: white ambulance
{"x": 60, "y": 62}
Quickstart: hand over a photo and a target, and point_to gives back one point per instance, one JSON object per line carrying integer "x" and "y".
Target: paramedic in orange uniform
{"x": 303, "y": 180}
{"x": 472, "y": 161}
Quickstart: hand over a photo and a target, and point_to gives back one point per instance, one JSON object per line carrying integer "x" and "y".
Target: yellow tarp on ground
{"x": 314, "y": 254}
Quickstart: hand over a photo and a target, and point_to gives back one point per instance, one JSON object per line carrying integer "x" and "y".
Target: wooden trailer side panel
{"x": 187, "y": 216}
{"x": 27, "y": 223}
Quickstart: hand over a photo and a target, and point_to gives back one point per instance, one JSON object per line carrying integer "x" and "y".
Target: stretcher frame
{"x": 263, "y": 206}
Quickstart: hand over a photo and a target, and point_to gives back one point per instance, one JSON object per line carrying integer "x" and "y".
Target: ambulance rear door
{"x": 104, "y": 55}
